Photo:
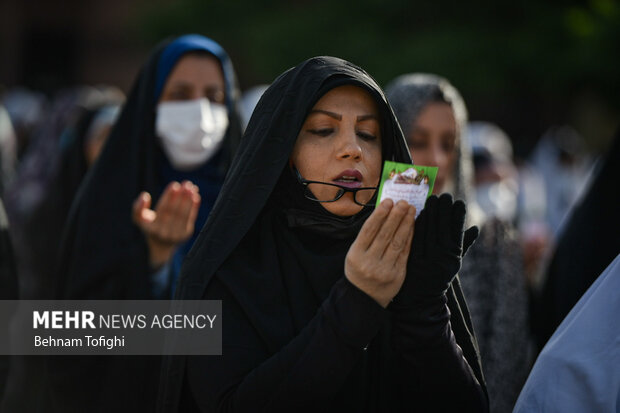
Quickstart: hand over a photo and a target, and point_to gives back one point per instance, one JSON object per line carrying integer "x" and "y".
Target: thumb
{"x": 141, "y": 213}
{"x": 469, "y": 237}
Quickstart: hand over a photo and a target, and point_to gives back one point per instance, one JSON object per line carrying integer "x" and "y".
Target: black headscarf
{"x": 8, "y": 285}
{"x": 278, "y": 253}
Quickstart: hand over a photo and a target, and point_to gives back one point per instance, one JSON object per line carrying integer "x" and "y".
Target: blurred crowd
{"x": 48, "y": 143}
{"x": 516, "y": 278}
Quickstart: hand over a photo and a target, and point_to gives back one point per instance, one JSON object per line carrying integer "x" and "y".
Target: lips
{"x": 349, "y": 178}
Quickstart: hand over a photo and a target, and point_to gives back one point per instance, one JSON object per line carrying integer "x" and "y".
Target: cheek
{"x": 307, "y": 158}
{"x": 376, "y": 165}
{"x": 421, "y": 156}
{"x": 451, "y": 161}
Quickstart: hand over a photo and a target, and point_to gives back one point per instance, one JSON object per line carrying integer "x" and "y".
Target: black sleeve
{"x": 8, "y": 287}
{"x": 434, "y": 369}
{"x": 303, "y": 375}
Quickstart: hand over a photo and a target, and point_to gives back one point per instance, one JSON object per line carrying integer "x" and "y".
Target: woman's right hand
{"x": 172, "y": 221}
{"x": 377, "y": 260}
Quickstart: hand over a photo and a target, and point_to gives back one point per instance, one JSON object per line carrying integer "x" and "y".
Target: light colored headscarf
{"x": 409, "y": 94}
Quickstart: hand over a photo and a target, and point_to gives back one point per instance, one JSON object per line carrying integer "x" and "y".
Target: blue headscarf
{"x": 191, "y": 43}
{"x": 208, "y": 177}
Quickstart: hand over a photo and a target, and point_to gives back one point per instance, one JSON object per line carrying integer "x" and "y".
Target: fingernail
{"x": 387, "y": 204}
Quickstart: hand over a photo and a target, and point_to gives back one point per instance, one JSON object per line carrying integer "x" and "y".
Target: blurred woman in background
{"x": 53, "y": 169}
{"x": 433, "y": 117}
{"x": 140, "y": 209}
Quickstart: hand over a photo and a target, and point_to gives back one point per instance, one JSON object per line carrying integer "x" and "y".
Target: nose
{"x": 347, "y": 144}
{"x": 437, "y": 156}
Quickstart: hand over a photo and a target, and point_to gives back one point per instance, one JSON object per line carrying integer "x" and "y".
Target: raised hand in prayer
{"x": 377, "y": 261}
{"x": 172, "y": 221}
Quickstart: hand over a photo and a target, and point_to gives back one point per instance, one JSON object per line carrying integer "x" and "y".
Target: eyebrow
{"x": 367, "y": 117}
{"x": 328, "y": 113}
{"x": 339, "y": 117}
{"x": 181, "y": 83}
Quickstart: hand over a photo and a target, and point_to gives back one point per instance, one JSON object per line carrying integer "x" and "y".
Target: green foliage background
{"x": 525, "y": 65}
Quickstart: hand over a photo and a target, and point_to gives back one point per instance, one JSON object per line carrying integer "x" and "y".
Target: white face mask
{"x": 497, "y": 199}
{"x": 191, "y": 132}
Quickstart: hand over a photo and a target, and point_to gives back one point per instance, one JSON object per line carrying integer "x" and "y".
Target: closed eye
{"x": 321, "y": 132}
{"x": 366, "y": 136}
{"x": 179, "y": 95}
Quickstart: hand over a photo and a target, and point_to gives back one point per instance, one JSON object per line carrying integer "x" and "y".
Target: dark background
{"x": 523, "y": 65}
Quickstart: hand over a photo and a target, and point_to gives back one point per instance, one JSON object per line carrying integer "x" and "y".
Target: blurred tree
{"x": 525, "y": 63}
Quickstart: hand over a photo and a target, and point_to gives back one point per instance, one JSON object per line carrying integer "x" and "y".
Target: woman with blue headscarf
{"x": 158, "y": 177}
{"x": 143, "y": 204}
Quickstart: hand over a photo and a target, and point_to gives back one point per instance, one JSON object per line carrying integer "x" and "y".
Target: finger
{"x": 388, "y": 229}
{"x": 186, "y": 204}
{"x": 373, "y": 223}
{"x": 470, "y": 236}
{"x": 165, "y": 206}
{"x": 457, "y": 223}
{"x": 142, "y": 202}
{"x": 136, "y": 207}
{"x": 401, "y": 239}
{"x": 162, "y": 229}
{"x": 175, "y": 205}
{"x": 419, "y": 237}
{"x": 432, "y": 204}
{"x": 191, "y": 220}
{"x": 164, "y": 199}
{"x": 444, "y": 221}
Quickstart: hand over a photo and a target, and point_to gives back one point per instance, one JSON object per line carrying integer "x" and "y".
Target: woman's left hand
{"x": 438, "y": 247}
{"x": 377, "y": 260}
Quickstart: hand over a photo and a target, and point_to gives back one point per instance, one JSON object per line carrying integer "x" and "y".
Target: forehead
{"x": 198, "y": 69}
{"x": 348, "y": 98}
{"x": 438, "y": 114}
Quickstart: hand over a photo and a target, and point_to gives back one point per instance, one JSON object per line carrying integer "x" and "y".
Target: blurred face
{"x": 433, "y": 141}
{"x": 340, "y": 143}
{"x": 195, "y": 76}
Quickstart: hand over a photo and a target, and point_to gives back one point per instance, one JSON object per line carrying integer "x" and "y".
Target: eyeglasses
{"x": 324, "y": 192}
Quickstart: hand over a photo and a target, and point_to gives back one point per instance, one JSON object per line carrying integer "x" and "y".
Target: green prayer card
{"x": 413, "y": 183}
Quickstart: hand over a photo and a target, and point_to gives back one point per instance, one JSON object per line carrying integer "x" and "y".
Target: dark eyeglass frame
{"x": 341, "y": 190}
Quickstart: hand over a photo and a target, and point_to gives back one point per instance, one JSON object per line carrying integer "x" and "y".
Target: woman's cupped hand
{"x": 170, "y": 223}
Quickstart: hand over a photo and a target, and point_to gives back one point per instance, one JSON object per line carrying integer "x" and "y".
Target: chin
{"x": 438, "y": 187}
{"x": 350, "y": 209}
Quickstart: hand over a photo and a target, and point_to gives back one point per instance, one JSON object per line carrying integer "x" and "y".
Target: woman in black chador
{"x": 169, "y": 151}
{"x": 328, "y": 304}
{"x": 141, "y": 207}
